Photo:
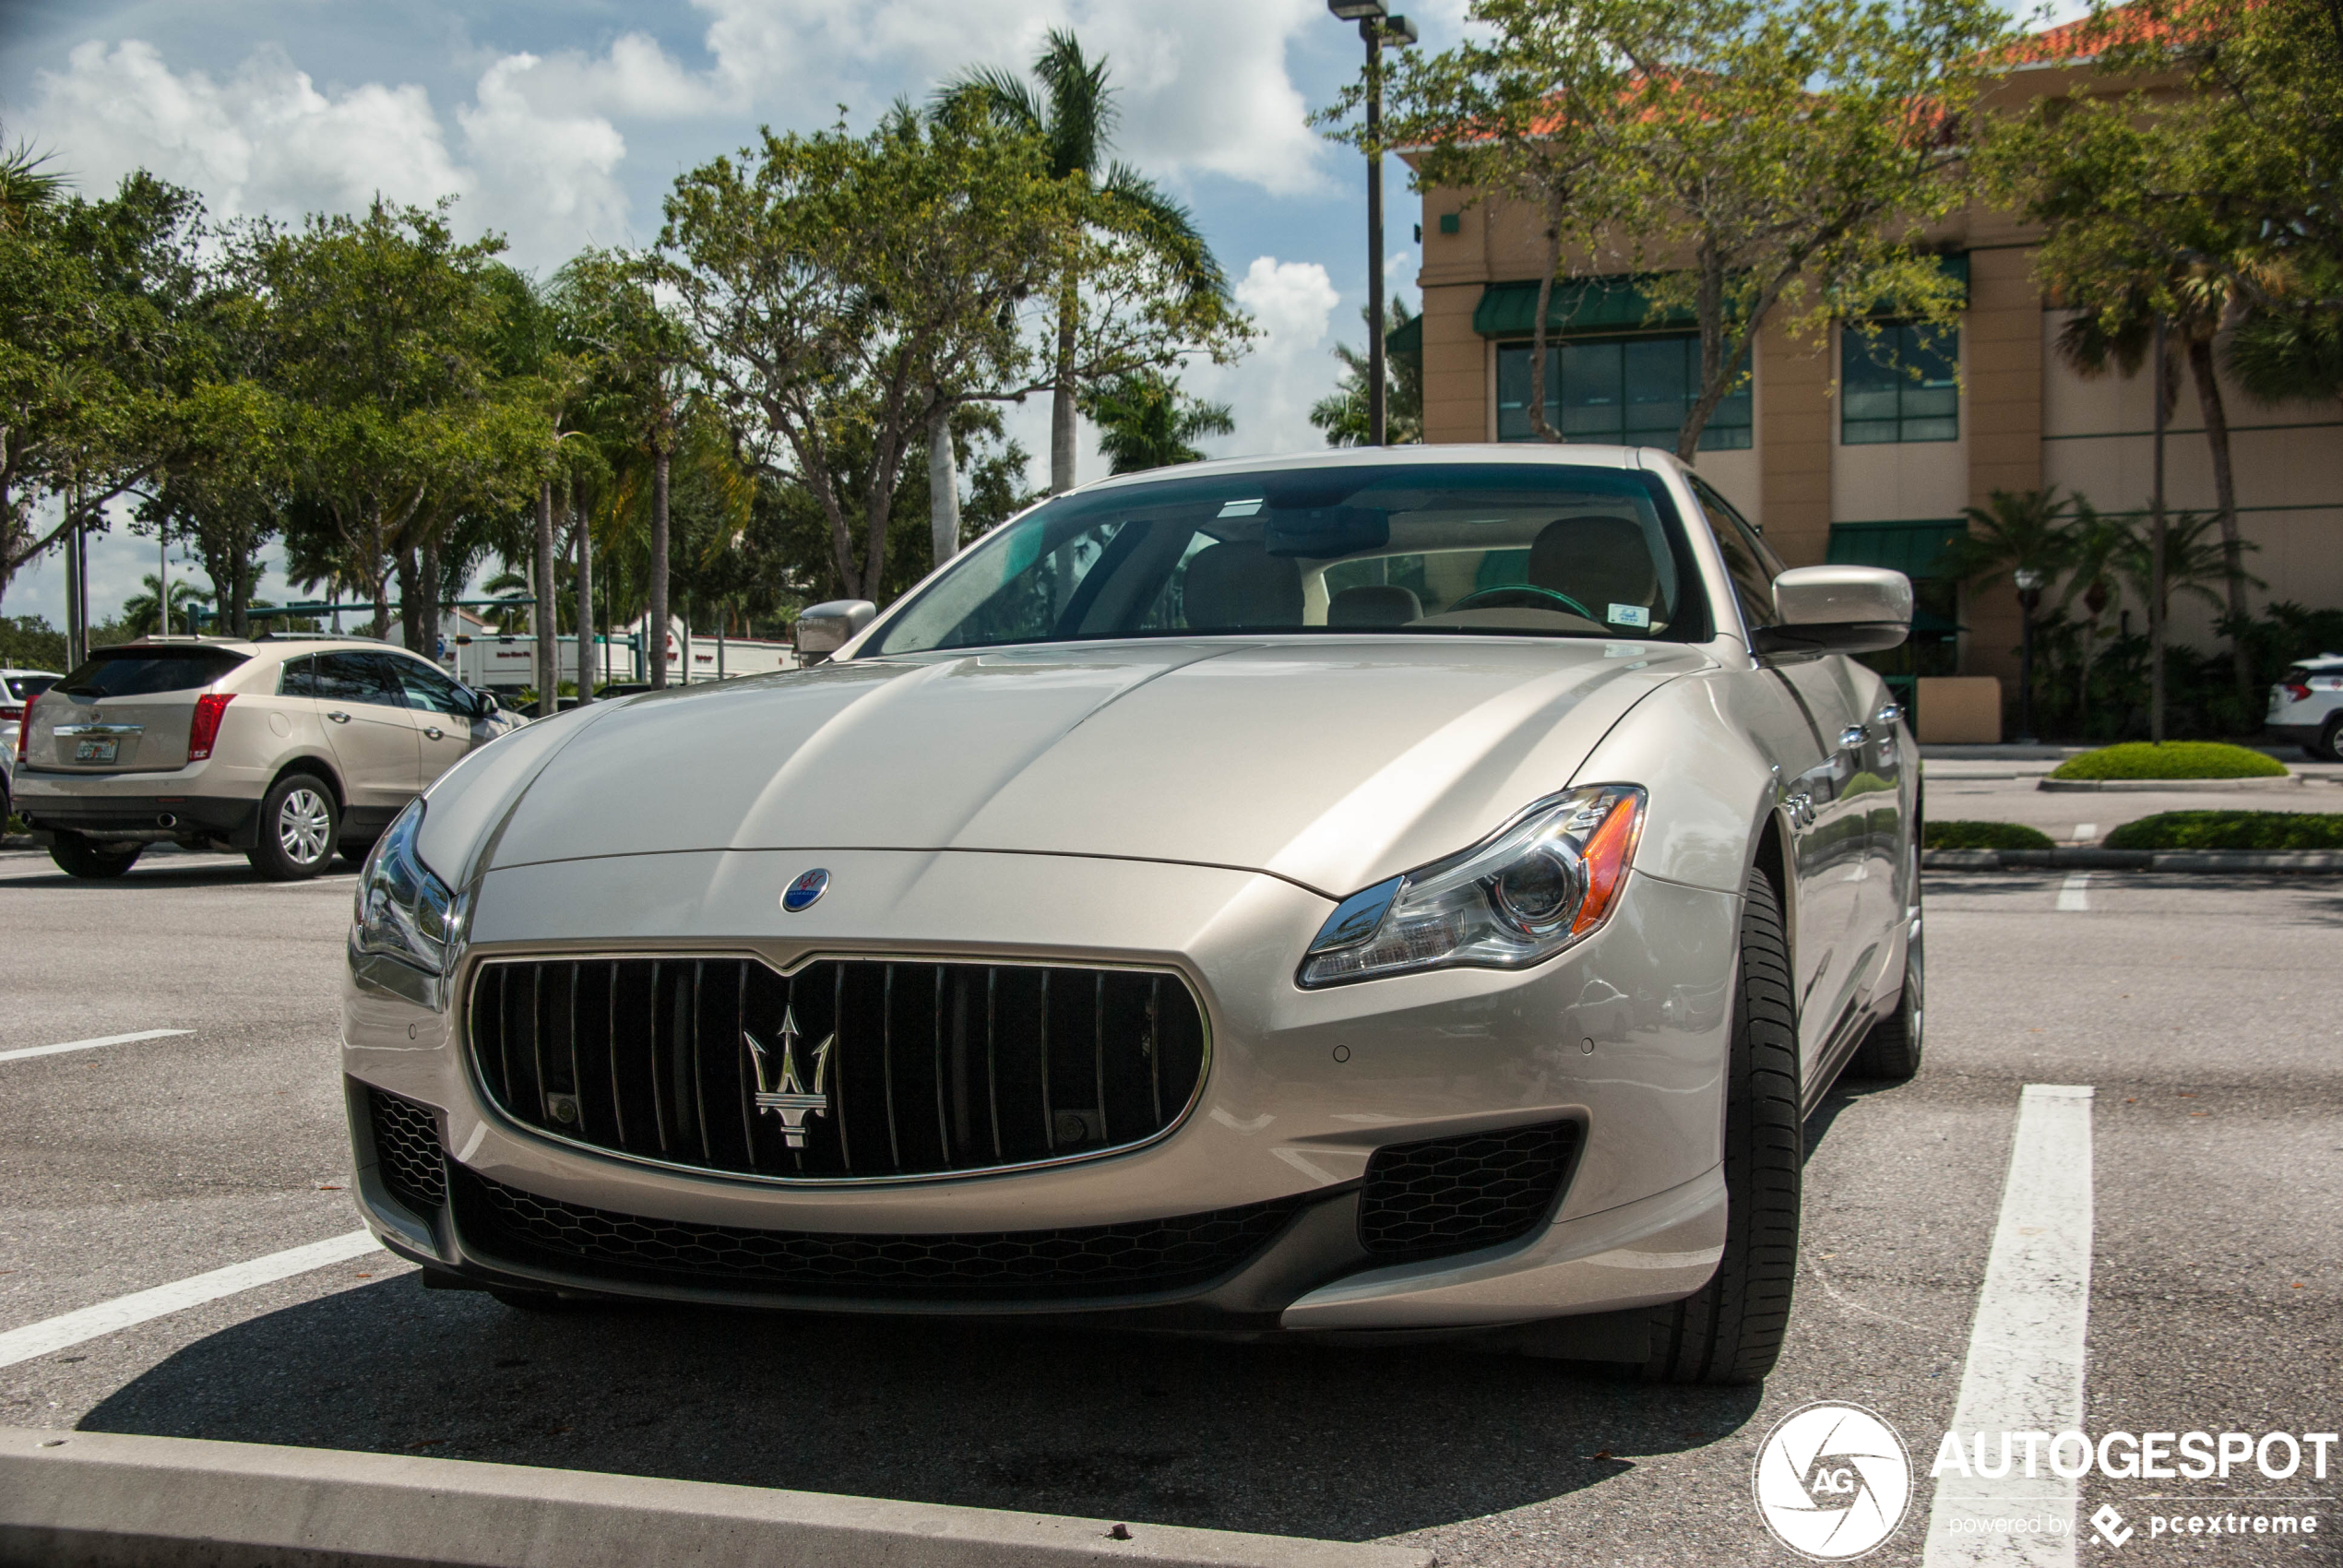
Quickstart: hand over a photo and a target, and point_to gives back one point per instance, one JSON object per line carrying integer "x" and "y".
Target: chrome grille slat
{"x": 670, "y": 1071}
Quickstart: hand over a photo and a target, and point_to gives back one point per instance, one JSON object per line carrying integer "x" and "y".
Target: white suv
{"x": 2306, "y": 706}
{"x": 286, "y": 749}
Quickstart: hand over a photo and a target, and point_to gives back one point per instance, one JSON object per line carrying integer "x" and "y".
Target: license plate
{"x": 95, "y": 751}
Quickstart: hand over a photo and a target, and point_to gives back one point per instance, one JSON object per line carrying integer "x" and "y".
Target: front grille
{"x": 1143, "y": 1258}
{"x": 407, "y": 1150}
{"x": 1454, "y": 1194}
{"x": 847, "y": 1069}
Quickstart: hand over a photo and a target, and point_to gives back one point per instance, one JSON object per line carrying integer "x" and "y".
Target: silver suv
{"x": 286, "y": 749}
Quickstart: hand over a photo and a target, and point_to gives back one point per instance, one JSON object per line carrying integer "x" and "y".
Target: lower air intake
{"x": 1142, "y": 1258}
{"x": 407, "y": 1150}
{"x": 1455, "y": 1194}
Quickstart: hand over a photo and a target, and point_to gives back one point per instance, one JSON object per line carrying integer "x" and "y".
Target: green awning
{"x": 1407, "y": 339}
{"x": 1917, "y": 550}
{"x": 1616, "y": 304}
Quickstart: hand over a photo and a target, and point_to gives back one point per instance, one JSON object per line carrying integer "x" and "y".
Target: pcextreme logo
{"x": 1832, "y": 1481}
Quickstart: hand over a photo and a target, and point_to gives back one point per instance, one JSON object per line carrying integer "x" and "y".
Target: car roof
{"x": 258, "y": 647}
{"x": 1523, "y": 452}
{"x": 16, "y": 670}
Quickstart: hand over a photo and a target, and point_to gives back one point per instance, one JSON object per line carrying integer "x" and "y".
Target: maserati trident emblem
{"x": 779, "y": 1089}
{"x": 803, "y": 893}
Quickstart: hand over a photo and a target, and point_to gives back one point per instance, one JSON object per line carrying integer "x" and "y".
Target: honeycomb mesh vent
{"x": 1097, "y": 1260}
{"x": 407, "y": 1149}
{"x": 1454, "y": 1194}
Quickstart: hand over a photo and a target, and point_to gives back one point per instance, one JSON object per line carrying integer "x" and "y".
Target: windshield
{"x": 1431, "y": 549}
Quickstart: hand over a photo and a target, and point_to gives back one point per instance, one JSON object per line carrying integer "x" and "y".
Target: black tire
{"x": 2330, "y": 746}
{"x": 78, "y": 855}
{"x": 1731, "y": 1332}
{"x": 300, "y": 825}
{"x": 1891, "y": 1052}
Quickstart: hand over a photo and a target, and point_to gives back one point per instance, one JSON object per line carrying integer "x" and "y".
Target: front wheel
{"x": 78, "y": 855}
{"x": 1731, "y": 1332}
{"x": 298, "y": 829}
{"x": 2330, "y": 744}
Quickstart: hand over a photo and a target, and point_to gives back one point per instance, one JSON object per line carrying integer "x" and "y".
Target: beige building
{"x": 1840, "y": 457}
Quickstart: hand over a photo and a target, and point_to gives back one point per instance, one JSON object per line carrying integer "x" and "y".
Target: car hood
{"x": 1332, "y": 763}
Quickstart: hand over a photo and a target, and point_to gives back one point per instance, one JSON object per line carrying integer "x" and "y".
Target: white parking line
{"x": 90, "y": 1323}
{"x": 89, "y": 1044}
{"x": 2086, "y": 832}
{"x": 2024, "y": 1374}
{"x": 2072, "y": 894}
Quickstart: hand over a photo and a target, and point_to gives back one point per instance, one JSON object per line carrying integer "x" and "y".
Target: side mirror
{"x": 1838, "y": 610}
{"x": 483, "y": 704}
{"x": 822, "y": 629}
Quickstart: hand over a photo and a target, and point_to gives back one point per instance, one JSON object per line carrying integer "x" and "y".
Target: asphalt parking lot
{"x": 2206, "y": 1013}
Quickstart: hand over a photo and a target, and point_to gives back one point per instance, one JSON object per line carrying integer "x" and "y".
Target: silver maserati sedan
{"x": 1384, "y": 893}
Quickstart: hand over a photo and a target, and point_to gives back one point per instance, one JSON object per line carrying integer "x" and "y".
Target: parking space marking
{"x": 2072, "y": 894}
{"x": 2024, "y": 1370}
{"x": 2086, "y": 832}
{"x": 90, "y": 1323}
{"x": 89, "y": 1044}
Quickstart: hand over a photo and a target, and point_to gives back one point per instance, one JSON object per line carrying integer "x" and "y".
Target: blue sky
{"x": 562, "y": 124}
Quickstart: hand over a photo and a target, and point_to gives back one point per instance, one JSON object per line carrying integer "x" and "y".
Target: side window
{"x": 297, "y": 679}
{"x": 428, "y": 690}
{"x": 356, "y": 677}
{"x": 1748, "y": 558}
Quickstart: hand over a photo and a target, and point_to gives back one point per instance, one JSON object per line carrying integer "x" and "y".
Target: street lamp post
{"x": 2029, "y": 597}
{"x": 1376, "y": 27}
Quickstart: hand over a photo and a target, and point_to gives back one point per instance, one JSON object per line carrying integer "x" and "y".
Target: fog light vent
{"x": 1455, "y": 1194}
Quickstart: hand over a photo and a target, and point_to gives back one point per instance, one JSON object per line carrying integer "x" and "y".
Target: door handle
{"x": 339, "y": 717}
{"x": 435, "y": 733}
{"x": 1851, "y": 737}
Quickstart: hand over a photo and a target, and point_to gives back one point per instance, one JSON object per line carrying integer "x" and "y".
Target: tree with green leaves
{"x": 837, "y": 282}
{"x": 1070, "y": 110}
{"x": 139, "y": 610}
{"x": 1342, "y": 413}
{"x": 1146, "y": 422}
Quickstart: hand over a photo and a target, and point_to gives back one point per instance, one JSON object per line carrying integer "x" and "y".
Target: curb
{"x": 2083, "y": 858}
{"x": 105, "y": 1500}
{"x": 2173, "y": 786}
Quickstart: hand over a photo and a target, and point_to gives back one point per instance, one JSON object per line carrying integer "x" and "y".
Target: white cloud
{"x": 265, "y": 139}
{"x": 548, "y": 179}
{"x": 1203, "y": 86}
{"x": 1291, "y": 365}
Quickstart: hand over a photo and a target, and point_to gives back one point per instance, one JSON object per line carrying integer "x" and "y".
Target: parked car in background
{"x": 1400, "y": 891}
{"x": 288, "y": 749}
{"x": 18, "y": 687}
{"x": 2306, "y": 706}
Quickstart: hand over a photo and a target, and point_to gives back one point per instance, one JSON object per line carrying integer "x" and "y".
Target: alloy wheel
{"x": 305, "y": 824}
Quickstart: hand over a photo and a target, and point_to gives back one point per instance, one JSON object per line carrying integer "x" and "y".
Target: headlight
{"x": 403, "y": 911}
{"x": 1517, "y": 898}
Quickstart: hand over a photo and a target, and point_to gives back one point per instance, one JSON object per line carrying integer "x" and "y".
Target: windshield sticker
{"x": 1240, "y": 509}
{"x": 1629, "y": 615}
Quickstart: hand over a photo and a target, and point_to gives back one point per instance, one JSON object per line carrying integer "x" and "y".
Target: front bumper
{"x": 1623, "y": 1039}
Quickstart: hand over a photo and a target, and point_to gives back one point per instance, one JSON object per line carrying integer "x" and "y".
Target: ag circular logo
{"x": 1832, "y": 1481}
{"x": 805, "y": 890}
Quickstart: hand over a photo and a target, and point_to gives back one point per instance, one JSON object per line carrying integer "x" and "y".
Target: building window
{"x": 1900, "y": 385}
{"x": 1628, "y": 391}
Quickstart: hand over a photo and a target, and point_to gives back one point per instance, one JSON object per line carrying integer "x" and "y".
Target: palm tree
{"x": 2096, "y": 577}
{"x": 1146, "y": 422}
{"x": 2193, "y": 560}
{"x": 2016, "y": 531}
{"x": 138, "y": 610}
{"x": 2289, "y": 355}
{"x": 1342, "y": 413}
{"x": 1073, "y": 112}
{"x": 27, "y": 183}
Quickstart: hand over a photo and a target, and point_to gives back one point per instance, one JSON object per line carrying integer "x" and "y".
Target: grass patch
{"x": 2231, "y": 830}
{"x": 1983, "y": 836}
{"x": 2173, "y": 759}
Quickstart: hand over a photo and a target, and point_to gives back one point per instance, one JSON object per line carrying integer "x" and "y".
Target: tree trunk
{"x": 378, "y": 576}
{"x": 2217, "y": 438}
{"x": 585, "y": 649}
{"x": 1063, "y": 427}
{"x": 657, "y": 626}
{"x": 410, "y": 573}
{"x": 549, "y": 674}
{"x": 943, "y": 486}
{"x": 430, "y": 648}
{"x": 1539, "y": 424}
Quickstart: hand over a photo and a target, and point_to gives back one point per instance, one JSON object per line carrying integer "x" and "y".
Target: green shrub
{"x": 1984, "y": 835}
{"x": 2173, "y": 759}
{"x": 2231, "y": 830}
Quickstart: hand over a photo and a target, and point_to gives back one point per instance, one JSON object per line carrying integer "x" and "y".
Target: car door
{"x": 1796, "y": 713}
{"x": 445, "y": 714}
{"x": 374, "y": 737}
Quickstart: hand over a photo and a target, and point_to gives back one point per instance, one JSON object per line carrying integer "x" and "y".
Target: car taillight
{"x": 2297, "y": 693}
{"x": 204, "y": 727}
{"x": 11, "y": 715}
{"x": 24, "y": 729}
